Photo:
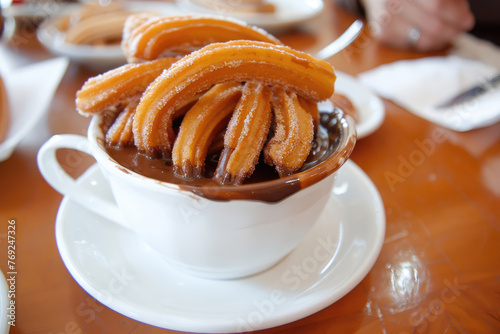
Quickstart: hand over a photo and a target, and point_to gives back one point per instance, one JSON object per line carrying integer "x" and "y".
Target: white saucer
{"x": 370, "y": 106}
{"x": 96, "y": 57}
{"x": 127, "y": 276}
{"x": 287, "y": 14}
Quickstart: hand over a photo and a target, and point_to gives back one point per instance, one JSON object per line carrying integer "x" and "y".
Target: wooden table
{"x": 439, "y": 268}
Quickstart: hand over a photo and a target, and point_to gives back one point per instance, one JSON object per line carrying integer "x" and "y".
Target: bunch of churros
{"x": 214, "y": 77}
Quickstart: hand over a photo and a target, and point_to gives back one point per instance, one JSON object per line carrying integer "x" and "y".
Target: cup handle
{"x": 61, "y": 181}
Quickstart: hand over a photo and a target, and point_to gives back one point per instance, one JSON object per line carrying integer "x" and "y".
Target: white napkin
{"x": 471, "y": 47}
{"x": 30, "y": 90}
{"x": 423, "y": 84}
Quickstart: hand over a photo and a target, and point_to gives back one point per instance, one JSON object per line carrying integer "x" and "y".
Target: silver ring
{"x": 413, "y": 35}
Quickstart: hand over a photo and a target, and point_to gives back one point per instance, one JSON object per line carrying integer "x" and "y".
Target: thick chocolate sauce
{"x": 326, "y": 142}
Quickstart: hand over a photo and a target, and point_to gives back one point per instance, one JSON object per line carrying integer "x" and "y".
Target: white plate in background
{"x": 287, "y": 14}
{"x": 370, "y": 107}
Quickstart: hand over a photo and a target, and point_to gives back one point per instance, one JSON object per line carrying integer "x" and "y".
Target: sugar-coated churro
{"x": 312, "y": 108}
{"x": 180, "y": 35}
{"x": 199, "y": 127}
{"x": 222, "y": 62}
{"x": 120, "y": 133}
{"x": 111, "y": 88}
{"x": 293, "y": 134}
{"x": 246, "y": 134}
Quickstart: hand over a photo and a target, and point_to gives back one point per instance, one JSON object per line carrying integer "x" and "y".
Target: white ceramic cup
{"x": 204, "y": 237}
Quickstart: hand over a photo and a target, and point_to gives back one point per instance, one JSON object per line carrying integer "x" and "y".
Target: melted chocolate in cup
{"x": 331, "y": 147}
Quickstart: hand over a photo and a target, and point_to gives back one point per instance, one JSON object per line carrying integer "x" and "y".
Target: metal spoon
{"x": 342, "y": 41}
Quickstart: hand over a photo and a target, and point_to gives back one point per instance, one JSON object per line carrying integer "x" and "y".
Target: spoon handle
{"x": 342, "y": 41}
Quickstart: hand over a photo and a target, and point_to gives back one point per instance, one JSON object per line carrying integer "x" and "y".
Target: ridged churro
{"x": 111, "y": 88}
{"x": 223, "y": 62}
{"x": 293, "y": 134}
{"x": 246, "y": 134}
{"x": 180, "y": 35}
{"x": 120, "y": 133}
{"x": 199, "y": 127}
{"x": 132, "y": 23}
{"x": 312, "y": 108}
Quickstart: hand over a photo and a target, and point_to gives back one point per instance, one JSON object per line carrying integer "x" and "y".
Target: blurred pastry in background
{"x": 94, "y": 24}
{"x": 247, "y": 6}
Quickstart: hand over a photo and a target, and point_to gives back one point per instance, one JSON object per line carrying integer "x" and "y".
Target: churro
{"x": 293, "y": 134}
{"x": 312, "y": 108}
{"x": 199, "y": 127}
{"x": 223, "y": 62}
{"x": 180, "y": 35}
{"x": 245, "y": 135}
{"x": 111, "y": 88}
{"x": 120, "y": 133}
{"x": 132, "y": 23}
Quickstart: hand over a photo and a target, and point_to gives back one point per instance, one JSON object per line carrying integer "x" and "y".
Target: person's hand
{"x": 424, "y": 25}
